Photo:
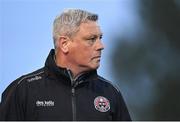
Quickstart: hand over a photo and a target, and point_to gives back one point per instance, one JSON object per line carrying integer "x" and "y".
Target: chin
{"x": 95, "y": 67}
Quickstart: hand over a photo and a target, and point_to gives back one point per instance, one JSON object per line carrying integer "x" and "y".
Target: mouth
{"x": 97, "y": 57}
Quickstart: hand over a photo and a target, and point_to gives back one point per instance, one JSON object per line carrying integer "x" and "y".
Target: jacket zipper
{"x": 73, "y": 97}
{"x": 73, "y": 103}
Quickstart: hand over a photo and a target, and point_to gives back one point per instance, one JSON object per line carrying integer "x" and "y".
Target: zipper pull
{"x": 73, "y": 91}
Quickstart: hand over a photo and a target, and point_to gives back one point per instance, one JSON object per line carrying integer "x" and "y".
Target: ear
{"x": 63, "y": 44}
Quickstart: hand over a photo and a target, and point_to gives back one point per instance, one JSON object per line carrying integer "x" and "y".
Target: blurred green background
{"x": 148, "y": 62}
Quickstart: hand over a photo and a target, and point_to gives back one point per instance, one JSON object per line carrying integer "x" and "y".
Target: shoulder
{"x": 33, "y": 76}
{"x": 21, "y": 81}
{"x": 111, "y": 84}
{"x": 113, "y": 88}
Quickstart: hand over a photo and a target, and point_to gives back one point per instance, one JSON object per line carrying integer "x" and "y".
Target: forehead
{"x": 90, "y": 28}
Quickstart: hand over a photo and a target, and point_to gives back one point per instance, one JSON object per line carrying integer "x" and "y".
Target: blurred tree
{"x": 163, "y": 15}
{"x": 149, "y": 65}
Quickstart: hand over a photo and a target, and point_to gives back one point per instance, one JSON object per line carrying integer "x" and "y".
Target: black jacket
{"x": 51, "y": 94}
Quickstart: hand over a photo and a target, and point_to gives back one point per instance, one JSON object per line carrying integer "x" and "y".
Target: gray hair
{"x": 68, "y": 22}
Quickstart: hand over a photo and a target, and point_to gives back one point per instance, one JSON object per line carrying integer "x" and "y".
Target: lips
{"x": 96, "y": 57}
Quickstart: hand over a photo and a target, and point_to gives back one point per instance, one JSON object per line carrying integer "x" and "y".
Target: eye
{"x": 101, "y": 36}
{"x": 91, "y": 40}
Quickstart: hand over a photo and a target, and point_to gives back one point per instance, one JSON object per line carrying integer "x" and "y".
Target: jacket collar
{"x": 55, "y": 71}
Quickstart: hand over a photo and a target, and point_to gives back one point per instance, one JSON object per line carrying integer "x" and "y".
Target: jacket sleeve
{"x": 121, "y": 113}
{"x": 11, "y": 107}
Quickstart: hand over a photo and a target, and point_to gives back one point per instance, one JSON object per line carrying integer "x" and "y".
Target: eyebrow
{"x": 90, "y": 35}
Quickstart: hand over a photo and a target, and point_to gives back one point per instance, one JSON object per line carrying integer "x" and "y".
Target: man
{"x": 68, "y": 86}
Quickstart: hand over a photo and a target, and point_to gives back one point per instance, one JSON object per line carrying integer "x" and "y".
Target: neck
{"x": 61, "y": 61}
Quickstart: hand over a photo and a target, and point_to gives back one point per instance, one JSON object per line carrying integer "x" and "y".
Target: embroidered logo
{"x": 101, "y": 104}
{"x": 45, "y": 103}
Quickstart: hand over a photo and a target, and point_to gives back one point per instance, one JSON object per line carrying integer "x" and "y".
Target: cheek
{"x": 85, "y": 53}
{"x": 82, "y": 54}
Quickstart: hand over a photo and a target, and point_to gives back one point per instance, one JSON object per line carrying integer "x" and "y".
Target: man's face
{"x": 86, "y": 46}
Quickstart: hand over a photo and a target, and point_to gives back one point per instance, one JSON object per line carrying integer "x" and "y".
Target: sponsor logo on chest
{"x": 44, "y": 103}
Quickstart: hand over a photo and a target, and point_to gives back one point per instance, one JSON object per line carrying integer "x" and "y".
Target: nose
{"x": 99, "y": 45}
